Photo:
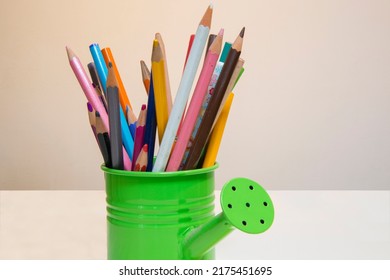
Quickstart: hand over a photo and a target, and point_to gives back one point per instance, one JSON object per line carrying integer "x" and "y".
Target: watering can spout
{"x": 245, "y": 206}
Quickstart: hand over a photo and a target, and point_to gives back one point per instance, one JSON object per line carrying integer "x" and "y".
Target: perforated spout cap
{"x": 247, "y": 206}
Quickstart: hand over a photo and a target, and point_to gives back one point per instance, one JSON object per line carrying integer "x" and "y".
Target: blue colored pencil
{"x": 151, "y": 125}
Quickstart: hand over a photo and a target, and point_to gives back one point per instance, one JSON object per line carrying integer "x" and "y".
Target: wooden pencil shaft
{"x": 159, "y": 84}
{"x": 115, "y": 128}
{"x": 139, "y": 135}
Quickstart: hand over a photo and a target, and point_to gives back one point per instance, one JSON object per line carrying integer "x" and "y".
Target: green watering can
{"x": 170, "y": 215}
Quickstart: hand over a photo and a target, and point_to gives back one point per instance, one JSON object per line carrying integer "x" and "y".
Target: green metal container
{"x": 170, "y": 215}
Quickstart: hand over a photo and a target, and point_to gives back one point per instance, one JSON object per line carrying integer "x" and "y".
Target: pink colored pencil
{"x": 92, "y": 98}
{"x": 86, "y": 85}
{"x": 195, "y": 104}
{"x": 139, "y": 135}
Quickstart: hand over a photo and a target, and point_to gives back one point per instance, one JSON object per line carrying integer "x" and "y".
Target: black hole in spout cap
{"x": 234, "y": 188}
{"x": 244, "y": 223}
{"x": 251, "y": 188}
{"x": 247, "y": 204}
{"x": 230, "y": 206}
{"x": 265, "y": 203}
{"x": 262, "y": 221}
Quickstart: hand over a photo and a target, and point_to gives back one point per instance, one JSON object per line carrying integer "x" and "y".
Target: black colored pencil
{"x": 114, "y": 120}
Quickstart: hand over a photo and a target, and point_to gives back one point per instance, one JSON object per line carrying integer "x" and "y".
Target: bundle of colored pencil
{"x": 188, "y": 139}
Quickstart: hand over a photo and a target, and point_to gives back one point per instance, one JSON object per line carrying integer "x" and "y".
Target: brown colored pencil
{"x": 214, "y": 103}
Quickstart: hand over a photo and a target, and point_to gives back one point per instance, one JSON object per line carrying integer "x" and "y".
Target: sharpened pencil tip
{"x": 70, "y": 53}
{"x": 111, "y": 79}
{"x": 206, "y": 19}
{"x": 220, "y": 33}
{"x": 242, "y": 32}
{"x": 157, "y": 54}
{"x": 145, "y": 148}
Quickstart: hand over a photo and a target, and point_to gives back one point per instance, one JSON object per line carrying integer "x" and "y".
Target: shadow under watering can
{"x": 170, "y": 215}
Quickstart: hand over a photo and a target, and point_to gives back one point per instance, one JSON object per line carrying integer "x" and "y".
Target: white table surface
{"x": 308, "y": 225}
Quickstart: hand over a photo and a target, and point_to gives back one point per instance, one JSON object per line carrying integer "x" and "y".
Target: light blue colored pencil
{"x": 183, "y": 91}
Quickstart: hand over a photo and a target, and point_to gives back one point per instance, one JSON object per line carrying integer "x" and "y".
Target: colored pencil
{"x": 96, "y": 83}
{"x": 139, "y": 134}
{"x": 131, "y": 121}
{"x": 100, "y": 95}
{"x": 185, "y": 62}
{"x": 216, "y": 135}
{"x": 150, "y": 125}
{"x": 183, "y": 91}
{"x": 159, "y": 84}
{"x": 214, "y": 104}
{"x": 195, "y": 104}
{"x": 167, "y": 82}
{"x": 123, "y": 98}
{"x": 103, "y": 141}
{"x": 115, "y": 122}
{"x": 93, "y": 74}
{"x": 145, "y": 76}
{"x": 142, "y": 159}
{"x": 209, "y": 42}
{"x": 127, "y": 139}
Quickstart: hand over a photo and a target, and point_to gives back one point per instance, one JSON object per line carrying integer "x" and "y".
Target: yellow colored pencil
{"x": 159, "y": 86}
{"x": 216, "y": 136}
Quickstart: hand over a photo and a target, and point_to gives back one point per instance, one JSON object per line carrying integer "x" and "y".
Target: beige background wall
{"x": 311, "y": 111}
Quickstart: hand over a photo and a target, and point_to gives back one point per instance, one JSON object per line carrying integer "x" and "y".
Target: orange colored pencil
{"x": 123, "y": 98}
